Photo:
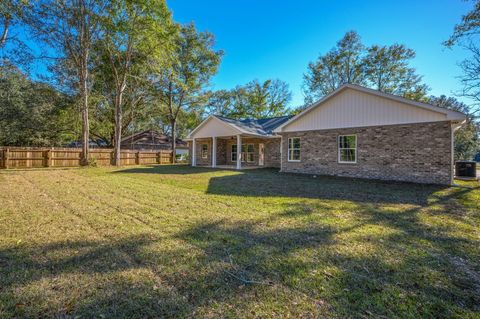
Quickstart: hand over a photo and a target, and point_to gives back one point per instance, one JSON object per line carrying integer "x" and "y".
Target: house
{"x": 354, "y": 132}
{"x": 152, "y": 140}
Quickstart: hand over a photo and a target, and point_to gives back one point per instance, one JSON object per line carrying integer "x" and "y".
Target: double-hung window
{"x": 347, "y": 149}
{"x": 204, "y": 151}
{"x": 248, "y": 151}
{"x": 294, "y": 149}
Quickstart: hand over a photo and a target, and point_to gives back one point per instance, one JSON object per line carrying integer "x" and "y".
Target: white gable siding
{"x": 352, "y": 108}
{"x": 215, "y": 127}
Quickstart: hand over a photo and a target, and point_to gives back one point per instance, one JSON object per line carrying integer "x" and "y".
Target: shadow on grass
{"x": 271, "y": 183}
{"x": 167, "y": 170}
{"x": 306, "y": 268}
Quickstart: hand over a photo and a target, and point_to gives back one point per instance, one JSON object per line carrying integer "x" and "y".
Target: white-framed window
{"x": 204, "y": 151}
{"x": 347, "y": 149}
{"x": 248, "y": 153}
{"x": 294, "y": 149}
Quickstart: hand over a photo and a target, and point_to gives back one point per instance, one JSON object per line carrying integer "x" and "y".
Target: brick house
{"x": 354, "y": 132}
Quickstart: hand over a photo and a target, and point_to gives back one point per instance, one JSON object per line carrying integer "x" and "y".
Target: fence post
{"x": 6, "y": 157}
{"x": 137, "y": 158}
{"x": 159, "y": 156}
{"x": 48, "y": 161}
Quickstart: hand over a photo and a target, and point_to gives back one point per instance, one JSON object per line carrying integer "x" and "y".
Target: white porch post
{"x": 239, "y": 151}
{"x": 214, "y": 151}
{"x": 194, "y": 152}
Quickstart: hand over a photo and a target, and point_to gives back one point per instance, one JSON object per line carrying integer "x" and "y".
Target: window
{"x": 234, "y": 153}
{"x": 294, "y": 149}
{"x": 204, "y": 150}
{"x": 347, "y": 149}
{"x": 248, "y": 151}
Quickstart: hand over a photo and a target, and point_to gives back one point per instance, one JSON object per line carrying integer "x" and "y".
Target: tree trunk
{"x": 85, "y": 120}
{"x": 3, "y": 38}
{"x": 118, "y": 127}
{"x": 174, "y": 140}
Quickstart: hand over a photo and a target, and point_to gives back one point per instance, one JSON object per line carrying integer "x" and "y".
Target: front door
{"x": 261, "y": 154}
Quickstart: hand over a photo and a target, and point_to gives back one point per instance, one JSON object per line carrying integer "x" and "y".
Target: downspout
{"x": 452, "y": 150}
{"x": 454, "y": 126}
{"x": 281, "y": 152}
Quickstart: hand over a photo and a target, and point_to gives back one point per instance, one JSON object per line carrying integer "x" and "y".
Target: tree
{"x": 467, "y": 142}
{"x": 385, "y": 68}
{"x": 10, "y": 12}
{"x": 465, "y": 34}
{"x": 254, "y": 100}
{"x": 12, "y": 49}
{"x": 70, "y": 28}
{"x": 181, "y": 85}
{"x": 342, "y": 64}
{"x": 31, "y": 113}
{"x": 132, "y": 36}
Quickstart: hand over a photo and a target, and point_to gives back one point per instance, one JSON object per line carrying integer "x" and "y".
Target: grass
{"x": 169, "y": 241}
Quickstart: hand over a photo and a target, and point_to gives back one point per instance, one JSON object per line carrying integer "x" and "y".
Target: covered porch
{"x": 229, "y": 143}
{"x": 235, "y": 152}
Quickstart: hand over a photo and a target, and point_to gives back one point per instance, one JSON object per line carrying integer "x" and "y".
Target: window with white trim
{"x": 347, "y": 149}
{"x": 204, "y": 151}
{"x": 294, "y": 149}
{"x": 248, "y": 151}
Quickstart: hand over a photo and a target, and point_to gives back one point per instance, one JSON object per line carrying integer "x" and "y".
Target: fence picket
{"x": 23, "y": 157}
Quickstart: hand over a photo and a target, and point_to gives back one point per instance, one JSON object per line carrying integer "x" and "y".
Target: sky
{"x": 265, "y": 39}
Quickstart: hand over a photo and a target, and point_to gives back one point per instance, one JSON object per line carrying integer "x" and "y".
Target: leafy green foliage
{"x": 385, "y": 68}
{"x": 467, "y": 28}
{"x": 342, "y": 64}
{"x": 467, "y": 141}
{"x": 253, "y": 100}
{"x": 466, "y": 35}
{"x": 180, "y": 85}
{"x": 33, "y": 114}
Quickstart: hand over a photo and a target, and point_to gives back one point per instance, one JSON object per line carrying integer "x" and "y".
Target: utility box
{"x": 466, "y": 169}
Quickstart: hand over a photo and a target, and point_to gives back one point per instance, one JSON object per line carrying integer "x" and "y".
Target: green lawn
{"x": 172, "y": 241}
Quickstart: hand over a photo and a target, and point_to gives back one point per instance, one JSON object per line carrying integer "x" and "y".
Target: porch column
{"x": 239, "y": 151}
{"x": 194, "y": 152}
{"x": 214, "y": 151}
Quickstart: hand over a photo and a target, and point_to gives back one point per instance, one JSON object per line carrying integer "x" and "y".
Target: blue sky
{"x": 277, "y": 39}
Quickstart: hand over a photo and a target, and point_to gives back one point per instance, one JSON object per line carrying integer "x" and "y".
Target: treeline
{"x": 110, "y": 68}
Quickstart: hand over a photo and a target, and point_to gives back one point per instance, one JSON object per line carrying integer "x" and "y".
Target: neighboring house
{"x": 152, "y": 140}
{"x": 98, "y": 143}
{"x": 354, "y": 131}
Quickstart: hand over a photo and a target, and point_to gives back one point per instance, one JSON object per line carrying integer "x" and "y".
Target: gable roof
{"x": 263, "y": 126}
{"x": 449, "y": 114}
{"x": 258, "y": 127}
{"x": 151, "y": 138}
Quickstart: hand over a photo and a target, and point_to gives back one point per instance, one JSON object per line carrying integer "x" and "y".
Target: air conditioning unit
{"x": 466, "y": 169}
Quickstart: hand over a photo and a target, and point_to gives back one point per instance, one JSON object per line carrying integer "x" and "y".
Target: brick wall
{"x": 411, "y": 152}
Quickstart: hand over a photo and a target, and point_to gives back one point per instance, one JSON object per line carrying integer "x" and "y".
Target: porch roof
{"x": 216, "y": 125}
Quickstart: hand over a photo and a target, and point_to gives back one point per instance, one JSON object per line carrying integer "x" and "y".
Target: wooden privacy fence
{"x": 21, "y": 157}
